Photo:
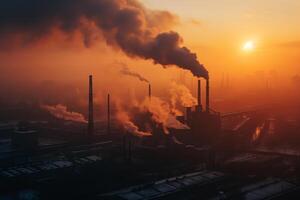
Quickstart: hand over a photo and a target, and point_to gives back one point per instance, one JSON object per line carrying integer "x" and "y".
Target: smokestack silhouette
{"x": 199, "y": 93}
{"x": 150, "y": 91}
{"x": 108, "y": 113}
{"x": 91, "y": 107}
{"x": 207, "y": 95}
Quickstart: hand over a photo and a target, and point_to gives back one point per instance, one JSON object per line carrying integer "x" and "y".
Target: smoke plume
{"x": 161, "y": 113}
{"x": 123, "y": 24}
{"x": 143, "y": 117}
{"x": 182, "y": 95}
{"x": 61, "y": 112}
{"x": 126, "y": 71}
{"x": 129, "y": 126}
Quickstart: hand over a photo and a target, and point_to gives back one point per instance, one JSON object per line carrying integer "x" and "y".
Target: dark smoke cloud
{"x": 124, "y": 24}
{"x": 126, "y": 71}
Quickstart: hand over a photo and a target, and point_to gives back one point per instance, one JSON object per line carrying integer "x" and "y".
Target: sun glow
{"x": 248, "y": 46}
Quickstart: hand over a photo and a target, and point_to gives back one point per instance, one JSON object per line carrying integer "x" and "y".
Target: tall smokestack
{"x": 108, "y": 113}
{"x": 150, "y": 91}
{"x": 91, "y": 107}
{"x": 207, "y": 95}
{"x": 199, "y": 93}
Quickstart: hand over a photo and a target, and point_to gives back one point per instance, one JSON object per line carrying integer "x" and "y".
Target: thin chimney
{"x": 199, "y": 93}
{"x": 91, "y": 107}
{"x": 108, "y": 113}
{"x": 207, "y": 95}
{"x": 150, "y": 91}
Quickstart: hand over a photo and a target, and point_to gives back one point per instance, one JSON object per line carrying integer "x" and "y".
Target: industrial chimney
{"x": 199, "y": 106}
{"x": 150, "y": 91}
{"x": 199, "y": 92}
{"x": 91, "y": 107}
{"x": 207, "y": 95}
{"x": 108, "y": 113}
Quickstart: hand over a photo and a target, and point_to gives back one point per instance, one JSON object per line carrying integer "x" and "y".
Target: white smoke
{"x": 61, "y": 112}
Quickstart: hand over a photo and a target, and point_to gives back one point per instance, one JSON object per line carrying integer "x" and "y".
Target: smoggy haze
{"x": 67, "y": 41}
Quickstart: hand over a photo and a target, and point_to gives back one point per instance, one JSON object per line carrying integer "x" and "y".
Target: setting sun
{"x": 248, "y": 46}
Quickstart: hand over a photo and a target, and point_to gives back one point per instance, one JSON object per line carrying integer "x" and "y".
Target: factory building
{"x": 118, "y": 165}
{"x": 205, "y": 123}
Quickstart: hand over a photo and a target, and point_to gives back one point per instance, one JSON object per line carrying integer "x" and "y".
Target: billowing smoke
{"x": 149, "y": 115}
{"x": 126, "y": 71}
{"x": 61, "y": 112}
{"x": 129, "y": 126}
{"x": 124, "y": 24}
{"x": 162, "y": 113}
{"x": 182, "y": 95}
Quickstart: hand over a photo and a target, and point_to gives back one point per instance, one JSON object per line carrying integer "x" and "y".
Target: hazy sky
{"x": 277, "y": 17}
{"x": 215, "y": 29}
{"x": 219, "y": 28}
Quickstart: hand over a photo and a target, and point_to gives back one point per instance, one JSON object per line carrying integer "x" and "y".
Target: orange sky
{"x": 216, "y": 30}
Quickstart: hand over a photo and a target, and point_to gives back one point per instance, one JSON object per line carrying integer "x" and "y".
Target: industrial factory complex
{"x": 113, "y": 100}
{"x": 218, "y": 156}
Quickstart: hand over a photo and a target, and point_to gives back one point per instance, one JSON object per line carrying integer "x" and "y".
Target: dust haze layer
{"x": 123, "y": 24}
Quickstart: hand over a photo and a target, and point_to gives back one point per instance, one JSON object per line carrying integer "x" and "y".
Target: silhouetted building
{"x": 205, "y": 125}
